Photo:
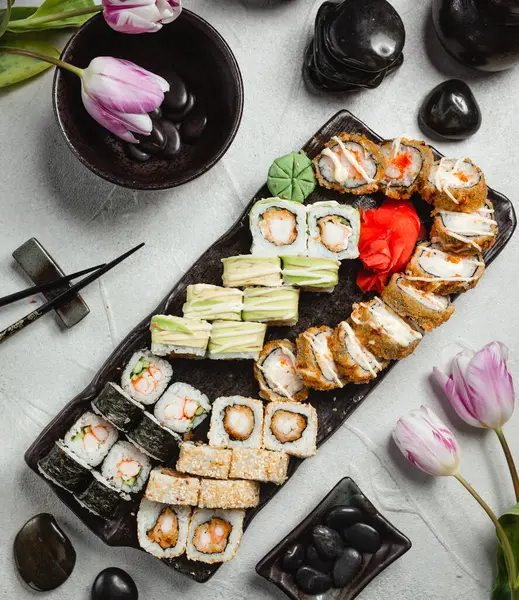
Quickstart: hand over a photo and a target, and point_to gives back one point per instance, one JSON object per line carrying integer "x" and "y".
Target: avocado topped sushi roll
{"x": 212, "y": 302}
{"x": 232, "y": 340}
{"x": 162, "y": 529}
{"x": 290, "y": 427}
{"x": 125, "y": 468}
{"x": 246, "y": 270}
{"x": 334, "y": 230}
{"x": 236, "y": 422}
{"x": 408, "y": 164}
{"x": 315, "y": 359}
{"x": 90, "y": 438}
{"x": 146, "y": 376}
{"x": 275, "y": 306}
{"x": 214, "y": 535}
{"x": 311, "y": 274}
{"x": 178, "y": 336}
{"x": 182, "y": 408}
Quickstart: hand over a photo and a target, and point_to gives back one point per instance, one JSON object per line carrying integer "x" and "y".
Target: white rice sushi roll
{"x": 182, "y": 408}
{"x": 259, "y": 465}
{"x": 175, "y": 336}
{"x": 236, "y": 422}
{"x": 333, "y": 230}
{"x": 162, "y": 529}
{"x": 214, "y": 535}
{"x": 90, "y": 438}
{"x": 278, "y": 227}
{"x": 228, "y": 493}
{"x": 146, "y": 376}
{"x": 290, "y": 427}
{"x": 125, "y": 468}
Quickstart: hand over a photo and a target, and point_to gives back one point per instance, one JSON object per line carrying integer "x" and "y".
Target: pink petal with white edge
{"x": 169, "y": 10}
{"x": 133, "y": 20}
{"x": 449, "y": 389}
{"x": 127, "y": 3}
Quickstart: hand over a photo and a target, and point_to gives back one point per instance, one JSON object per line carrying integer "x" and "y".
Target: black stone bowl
{"x": 190, "y": 47}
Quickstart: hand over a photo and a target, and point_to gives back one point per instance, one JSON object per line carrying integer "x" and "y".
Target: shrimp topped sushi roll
{"x": 125, "y": 468}
{"x": 290, "y": 427}
{"x": 354, "y": 361}
{"x": 162, "y": 529}
{"x": 236, "y": 422}
{"x": 455, "y": 184}
{"x": 214, "y": 535}
{"x": 434, "y": 270}
{"x": 380, "y": 329}
{"x": 182, "y": 408}
{"x": 315, "y": 360}
{"x": 278, "y": 227}
{"x": 408, "y": 164}
{"x": 146, "y": 376}
{"x": 277, "y": 375}
{"x": 90, "y": 438}
{"x": 334, "y": 230}
{"x": 426, "y": 309}
{"x": 350, "y": 163}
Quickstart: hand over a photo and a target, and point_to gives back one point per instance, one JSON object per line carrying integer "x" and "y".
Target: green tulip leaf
{"x": 37, "y": 21}
{"x": 22, "y": 12}
{"x": 15, "y": 68}
{"x": 5, "y": 15}
{"x": 510, "y": 522}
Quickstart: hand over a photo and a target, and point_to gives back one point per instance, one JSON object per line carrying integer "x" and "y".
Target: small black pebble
{"x": 172, "y": 147}
{"x": 178, "y": 115}
{"x": 175, "y": 100}
{"x": 293, "y": 558}
{"x": 114, "y": 584}
{"x": 155, "y": 141}
{"x": 136, "y": 153}
{"x": 346, "y": 567}
{"x": 193, "y": 125}
{"x": 156, "y": 114}
{"x": 327, "y": 542}
{"x": 363, "y": 537}
{"x": 341, "y": 517}
{"x": 313, "y": 559}
{"x": 312, "y": 581}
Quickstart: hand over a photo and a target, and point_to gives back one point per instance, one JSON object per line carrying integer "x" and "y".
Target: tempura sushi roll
{"x": 355, "y": 363}
{"x": 125, "y": 468}
{"x": 380, "y": 329}
{"x": 455, "y": 184}
{"x": 64, "y": 468}
{"x": 290, "y": 427}
{"x": 277, "y": 375}
{"x": 464, "y": 233}
{"x": 333, "y": 230}
{"x": 444, "y": 273}
{"x": 171, "y": 487}
{"x": 426, "y": 309}
{"x": 90, "y": 438}
{"x": 182, "y": 408}
{"x": 259, "y": 465}
{"x": 212, "y": 302}
{"x": 175, "y": 336}
{"x": 214, "y": 535}
{"x": 275, "y": 306}
{"x": 146, "y": 376}
{"x": 239, "y": 341}
{"x": 204, "y": 461}
{"x": 350, "y": 163}
{"x": 311, "y": 274}
{"x": 278, "y": 227}
{"x": 315, "y": 360}
{"x": 116, "y": 406}
{"x": 246, "y": 270}
{"x": 227, "y": 493}
{"x": 408, "y": 164}
{"x": 236, "y": 422}
{"x": 162, "y": 529}
{"x": 101, "y": 498}
{"x": 154, "y": 439}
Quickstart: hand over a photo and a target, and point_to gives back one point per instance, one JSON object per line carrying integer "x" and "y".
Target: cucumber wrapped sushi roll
{"x": 153, "y": 439}
{"x": 315, "y": 361}
{"x": 433, "y": 270}
{"x": 64, "y": 468}
{"x": 275, "y": 306}
{"x": 290, "y": 427}
{"x": 90, "y": 438}
{"x": 116, "y": 406}
{"x": 162, "y": 529}
{"x": 101, "y": 498}
{"x": 176, "y": 336}
{"x": 214, "y": 535}
{"x": 125, "y": 468}
{"x": 212, "y": 302}
{"x": 146, "y": 376}
{"x": 408, "y": 164}
{"x": 311, "y": 274}
{"x": 379, "y": 328}
{"x": 236, "y": 422}
{"x": 240, "y": 341}
{"x": 182, "y": 408}
{"x": 350, "y": 163}
{"x": 278, "y": 227}
{"x": 426, "y": 309}
{"x": 204, "y": 461}
{"x": 333, "y": 230}
{"x": 246, "y": 270}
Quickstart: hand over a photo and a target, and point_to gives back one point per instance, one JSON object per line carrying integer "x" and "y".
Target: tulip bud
{"x": 140, "y": 16}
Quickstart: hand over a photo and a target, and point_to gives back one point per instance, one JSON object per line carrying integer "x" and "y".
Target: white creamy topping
{"x": 323, "y": 355}
{"x": 391, "y": 323}
{"x": 443, "y": 265}
{"x": 358, "y": 353}
{"x": 404, "y": 163}
{"x": 279, "y": 370}
{"x": 432, "y": 301}
{"x": 451, "y": 173}
{"x": 346, "y": 164}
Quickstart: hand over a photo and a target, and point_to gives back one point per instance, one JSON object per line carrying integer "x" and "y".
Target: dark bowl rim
{"x": 236, "y": 76}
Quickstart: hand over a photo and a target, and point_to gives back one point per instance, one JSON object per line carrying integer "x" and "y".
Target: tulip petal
{"x": 127, "y": 3}
{"x": 169, "y": 10}
{"x": 133, "y": 20}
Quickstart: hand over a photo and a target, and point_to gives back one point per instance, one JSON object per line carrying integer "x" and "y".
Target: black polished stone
{"x": 176, "y": 98}
{"x": 346, "y": 567}
{"x": 156, "y": 114}
{"x": 193, "y": 126}
{"x": 114, "y": 584}
{"x": 43, "y": 554}
{"x": 312, "y": 582}
{"x": 173, "y": 143}
{"x": 327, "y": 542}
{"x": 450, "y": 111}
{"x": 363, "y": 537}
{"x": 155, "y": 141}
{"x": 341, "y": 517}
{"x": 136, "y": 153}
{"x": 293, "y": 558}
{"x": 179, "y": 115}
{"x": 315, "y": 560}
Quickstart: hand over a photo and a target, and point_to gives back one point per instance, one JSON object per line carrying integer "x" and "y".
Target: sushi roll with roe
{"x": 236, "y": 422}
{"x": 278, "y": 227}
{"x": 162, "y": 529}
{"x": 182, "y": 408}
{"x": 333, "y": 230}
{"x": 290, "y": 427}
{"x": 214, "y": 535}
{"x": 90, "y": 438}
{"x": 315, "y": 361}
{"x": 146, "y": 376}
{"x": 408, "y": 164}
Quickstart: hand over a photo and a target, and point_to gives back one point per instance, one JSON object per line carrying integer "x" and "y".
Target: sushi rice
{"x": 236, "y": 422}
{"x": 162, "y": 529}
{"x": 182, "y": 408}
{"x": 290, "y": 427}
{"x": 146, "y": 376}
{"x": 334, "y": 230}
{"x": 125, "y": 468}
{"x": 90, "y": 438}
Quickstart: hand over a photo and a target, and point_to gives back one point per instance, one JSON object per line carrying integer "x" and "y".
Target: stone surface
{"x": 114, "y": 584}
{"x": 193, "y": 126}
{"x": 327, "y": 542}
{"x": 315, "y": 560}
{"x": 346, "y": 567}
{"x": 341, "y": 517}
{"x": 362, "y": 537}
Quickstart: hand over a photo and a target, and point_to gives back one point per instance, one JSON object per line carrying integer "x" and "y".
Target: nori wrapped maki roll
{"x": 64, "y": 468}
{"x": 154, "y": 439}
{"x": 100, "y": 498}
{"x": 116, "y": 406}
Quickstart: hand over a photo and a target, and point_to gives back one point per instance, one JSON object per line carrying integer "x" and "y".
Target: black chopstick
{"x": 48, "y": 306}
{"x": 37, "y": 289}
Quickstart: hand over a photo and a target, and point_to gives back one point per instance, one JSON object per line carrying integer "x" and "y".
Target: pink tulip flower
{"x": 140, "y": 16}
{"x": 427, "y": 443}
{"x": 119, "y": 95}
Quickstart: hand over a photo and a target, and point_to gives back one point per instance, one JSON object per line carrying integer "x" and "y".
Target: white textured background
{"x": 83, "y": 220}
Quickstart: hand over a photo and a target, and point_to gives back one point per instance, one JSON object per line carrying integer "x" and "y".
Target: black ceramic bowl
{"x": 190, "y": 47}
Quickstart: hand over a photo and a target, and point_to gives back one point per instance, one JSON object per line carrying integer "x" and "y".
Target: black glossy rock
{"x": 341, "y": 517}
{"x": 114, "y": 584}
{"x": 315, "y": 560}
{"x": 346, "y": 567}
{"x": 179, "y": 115}
{"x": 193, "y": 126}
{"x": 156, "y": 114}
{"x": 312, "y": 582}
{"x": 293, "y": 558}
{"x": 176, "y": 98}
{"x": 43, "y": 554}
{"x": 173, "y": 143}
{"x": 450, "y": 111}
{"x": 327, "y": 542}
{"x": 155, "y": 141}
{"x": 136, "y": 153}
{"x": 363, "y": 537}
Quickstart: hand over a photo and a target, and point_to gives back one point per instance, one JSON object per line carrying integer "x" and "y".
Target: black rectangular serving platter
{"x": 224, "y": 378}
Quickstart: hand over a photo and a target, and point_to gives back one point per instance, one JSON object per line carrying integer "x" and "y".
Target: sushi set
{"x": 170, "y": 449}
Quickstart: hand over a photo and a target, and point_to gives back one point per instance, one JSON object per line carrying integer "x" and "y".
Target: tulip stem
{"x": 50, "y": 59}
{"x": 68, "y": 14}
{"x": 505, "y": 543}
{"x": 509, "y": 460}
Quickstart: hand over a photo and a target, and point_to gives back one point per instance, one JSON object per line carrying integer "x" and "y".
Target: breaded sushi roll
{"x": 175, "y": 336}
{"x": 259, "y": 465}
{"x": 90, "y": 438}
{"x": 162, "y": 529}
{"x": 350, "y": 163}
{"x": 236, "y": 422}
{"x": 274, "y": 306}
{"x": 117, "y": 407}
{"x": 101, "y": 498}
{"x": 380, "y": 329}
{"x": 290, "y": 427}
{"x": 277, "y": 375}
{"x": 408, "y": 164}
{"x": 355, "y": 363}
{"x": 64, "y": 468}
{"x": 214, "y": 535}
{"x": 433, "y": 270}
{"x": 212, "y": 302}
{"x": 204, "y": 461}
{"x": 171, "y": 487}
{"x": 146, "y": 376}
{"x": 333, "y": 230}
{"x": 455, "y": 184}
{"x": 464, "y": 233}
{"x": 426, "y": 309}
{"x": 182, "y": 408}
{"x": 246, "y": 270}
{"x": 311, "y": 274}
{"x": 278, "y": 227}
{"x": 228, "y": 493}
{"x": 155, "y": 440}
{"x": 125, "y": 468}
{"x": 231, "y": 340}
{"x": 315, "y": 360}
